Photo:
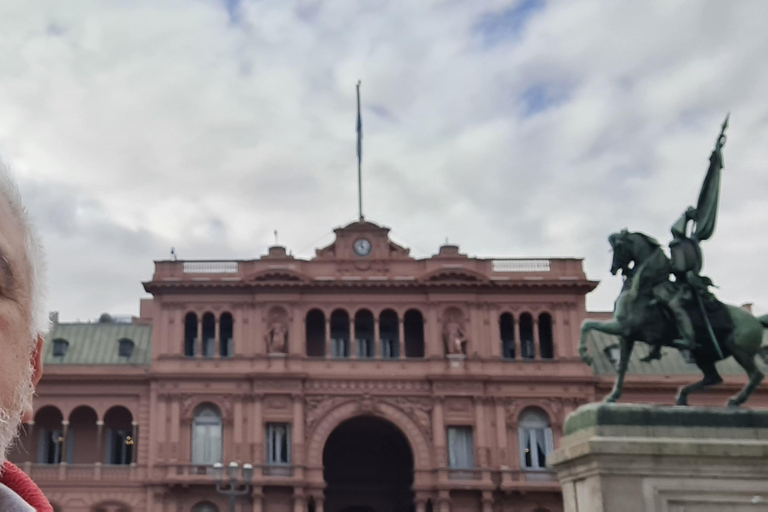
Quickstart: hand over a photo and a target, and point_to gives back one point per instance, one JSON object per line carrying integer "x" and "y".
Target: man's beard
{"x": 10, "y": 418}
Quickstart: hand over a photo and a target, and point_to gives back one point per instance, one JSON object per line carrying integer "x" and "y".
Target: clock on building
{"x": 362, "y": 247}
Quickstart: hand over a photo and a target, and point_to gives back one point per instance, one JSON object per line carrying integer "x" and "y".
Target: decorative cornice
{"x": 584, "y": 286}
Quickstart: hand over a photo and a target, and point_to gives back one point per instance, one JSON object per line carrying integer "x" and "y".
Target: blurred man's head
{"x": 22, "y": 314}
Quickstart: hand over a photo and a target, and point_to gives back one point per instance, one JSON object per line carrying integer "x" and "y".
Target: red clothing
{"x": 18, "y": 481}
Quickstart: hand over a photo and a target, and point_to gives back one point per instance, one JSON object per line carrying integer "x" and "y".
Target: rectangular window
{"x": 535, "y": 444}
{"x": 206, "y": 443}
{"x": 278, "y": 443}
{"x": 460, "y": 448}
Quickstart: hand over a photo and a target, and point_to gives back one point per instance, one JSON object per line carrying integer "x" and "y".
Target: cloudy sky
{"x": 515, "y": 128}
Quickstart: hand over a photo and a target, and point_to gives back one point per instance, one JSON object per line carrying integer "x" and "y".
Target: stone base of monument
{"x": 645, "y": 458}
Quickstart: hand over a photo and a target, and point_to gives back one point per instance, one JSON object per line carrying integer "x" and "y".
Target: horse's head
{"x": 622, "y": 251}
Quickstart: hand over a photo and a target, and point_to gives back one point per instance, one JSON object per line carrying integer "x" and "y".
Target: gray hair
{"x": 39, "y": 323}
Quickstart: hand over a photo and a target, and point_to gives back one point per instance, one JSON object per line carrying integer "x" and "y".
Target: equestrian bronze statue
{"x": 681, "y": 313}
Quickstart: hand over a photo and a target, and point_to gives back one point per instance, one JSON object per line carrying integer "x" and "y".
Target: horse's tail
{"x": 763, "y": 321}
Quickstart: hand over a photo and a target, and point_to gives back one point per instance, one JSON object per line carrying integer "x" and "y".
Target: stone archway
{"x": 368, "y": 466}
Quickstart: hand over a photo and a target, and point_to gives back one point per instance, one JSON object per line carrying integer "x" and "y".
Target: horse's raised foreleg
{"x": 625, "y": 345}
{"x": 609, "y": 327}
{"x": 747, "y": 361}
{"x": 711, "y": 377}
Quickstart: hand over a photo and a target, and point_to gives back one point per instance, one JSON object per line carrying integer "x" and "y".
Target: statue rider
{"x": 686, "y": 257}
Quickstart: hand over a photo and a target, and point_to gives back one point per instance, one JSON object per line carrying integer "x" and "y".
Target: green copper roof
{"x": 671, "y": 362}
{"x": 97, "y": 343}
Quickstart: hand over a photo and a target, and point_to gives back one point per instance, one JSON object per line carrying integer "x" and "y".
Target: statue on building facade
{"x": 682, "y": 313}
{"x": 277, "y": 337}
{"x": 454, "y": 337}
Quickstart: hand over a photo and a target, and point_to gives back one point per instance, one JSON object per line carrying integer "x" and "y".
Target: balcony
{"x": 204, "y": 474}
{"x": 72, "y": 473}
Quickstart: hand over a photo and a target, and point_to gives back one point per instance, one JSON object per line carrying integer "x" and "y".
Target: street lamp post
{"x": 233, "y": 486}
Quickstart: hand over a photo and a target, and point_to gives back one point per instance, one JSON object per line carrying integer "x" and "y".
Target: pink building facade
{"x": 361, "y": 380}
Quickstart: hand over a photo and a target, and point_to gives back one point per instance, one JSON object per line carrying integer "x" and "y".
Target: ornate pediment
{"x": 362, "y": 241}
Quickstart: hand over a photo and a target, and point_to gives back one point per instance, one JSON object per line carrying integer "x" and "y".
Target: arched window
{"x": 225, "y": 335}
{"x": 80, "y": 435}
{"x": 339, "y": 333}
{"x": 50, "y": 443}
{"x": 546, "y": 348}
{"x": 526, "y": 336}
{"x": 60, "y": 347}
{"x": 190, "y": 335}
{"x": 535, "y": 438}
{"x": 205, "y": 506}
{"x": 364, "y": 334}
{"x": 206, "y": 435}
{"x": 389, "y": 335}
{"x": 118, "y": 436}
{"x": 209, "y": 335}
{"x": 125, "y": 347}
{"x": 507, "y": 335}
{"x": 413, "y": 332}
{"x": 315, "y": 333}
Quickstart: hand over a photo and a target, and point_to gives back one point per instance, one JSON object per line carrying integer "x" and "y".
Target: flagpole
{"x": 359, "y": 156}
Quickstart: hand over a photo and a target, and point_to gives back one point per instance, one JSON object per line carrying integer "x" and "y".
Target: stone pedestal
{"x": 639, "y": 458}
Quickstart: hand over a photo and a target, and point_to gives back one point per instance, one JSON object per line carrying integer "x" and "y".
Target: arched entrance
{"x": 368, "y": 467}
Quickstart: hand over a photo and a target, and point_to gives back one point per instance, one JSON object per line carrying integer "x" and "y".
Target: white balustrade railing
{"x": 537, "y": 265}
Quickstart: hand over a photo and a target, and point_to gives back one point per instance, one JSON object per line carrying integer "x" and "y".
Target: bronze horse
{"x": 639, "y": 317}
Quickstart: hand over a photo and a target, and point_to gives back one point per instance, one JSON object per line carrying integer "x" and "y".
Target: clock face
{"x": 362, "y": 247}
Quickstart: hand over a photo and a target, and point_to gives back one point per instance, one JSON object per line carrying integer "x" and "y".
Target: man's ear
{"x": 36, "y": 360}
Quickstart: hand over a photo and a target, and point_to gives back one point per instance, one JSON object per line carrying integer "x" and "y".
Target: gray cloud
{"x": 513, "y": 128}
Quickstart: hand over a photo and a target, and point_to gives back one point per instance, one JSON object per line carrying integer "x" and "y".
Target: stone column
{"x": 319, "y": 503}
{"x": 501, "y": 433}
{"x": 258, "y": 436}
{"x": 482, "y": 444}
{"x": 438, "y": 433}
{"x": 298, "y": 431}
{"x": 237, "y": 430}
{"x": 516, "y": 334}
{"x": 299, "y": 500}
{"x": 296, "y": 336}
{"x": 217, "y": 337}
{"x": 536, "y": 340}
{"x": 328, "y": 342}
{"x": 352, "y": 338}
{"x": 64, "y": 432}
{"x": 100, "y": 441}
{"x": 401, "y": 337}
{"x": 444, "y": 502}
{"x": 135, "y": 446}
{"x": 199, "y": 344}
{"x": 376, "y": 338}
{"x": 257, "y": 499}
{"x": 175, "y": 429}
{"x": 487, "y": 501}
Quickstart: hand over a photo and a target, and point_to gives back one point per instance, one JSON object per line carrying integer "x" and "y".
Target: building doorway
{"x": 368, "y": 467}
